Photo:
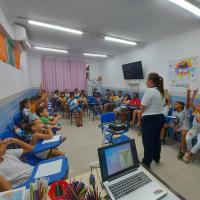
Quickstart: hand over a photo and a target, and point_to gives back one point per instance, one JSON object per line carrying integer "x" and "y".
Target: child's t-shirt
{"x": 113, "y": 98}
{"x": 44, "y": 120}
{"x": 14, "y": 170}
{"x": 26, "y": 112}
{"x": 195, "y": 124}
{"x": 182, "y": 118}
{"x": 72, "y": 103}
{"x": 135, "y": 102}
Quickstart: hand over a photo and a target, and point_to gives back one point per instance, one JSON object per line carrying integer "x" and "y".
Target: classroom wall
{"x": 155, "y": 58}
{"x": 13, "y": 80}
{"x": 35, "y": 69}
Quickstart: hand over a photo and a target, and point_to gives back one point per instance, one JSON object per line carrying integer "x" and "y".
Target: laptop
{"x": 122, "y": 175}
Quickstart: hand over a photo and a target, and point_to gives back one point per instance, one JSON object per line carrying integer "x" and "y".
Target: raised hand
{"x": 195, "y": 92}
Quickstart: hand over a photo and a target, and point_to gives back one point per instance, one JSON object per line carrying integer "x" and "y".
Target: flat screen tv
{"x": 133, "y": 71}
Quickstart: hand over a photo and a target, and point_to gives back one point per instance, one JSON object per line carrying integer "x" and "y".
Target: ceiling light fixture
{"x": 50, "y": 49}
{"x": 188, "y": 6}
{"x": 55, "y": 27}
{"x": 95, "y": 55}
{"x": 120, "y": 40}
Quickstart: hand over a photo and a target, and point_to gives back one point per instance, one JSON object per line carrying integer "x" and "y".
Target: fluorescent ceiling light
{"x": 120, "y": 40}
{"x": 50, "y": 49}
{"x": 95, "y": 55}
{"x": 51, "y": 26}
{"x": 188, "y": 6}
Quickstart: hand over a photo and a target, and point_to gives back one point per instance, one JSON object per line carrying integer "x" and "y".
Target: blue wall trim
{"x": 173, "y": 98}
{"x": 8, "y": 110}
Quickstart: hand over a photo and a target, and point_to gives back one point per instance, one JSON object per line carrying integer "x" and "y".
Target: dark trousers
{"x": 151, "y": 128}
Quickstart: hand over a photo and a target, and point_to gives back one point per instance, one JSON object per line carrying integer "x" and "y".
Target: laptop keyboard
{"x": 129, "y": 184}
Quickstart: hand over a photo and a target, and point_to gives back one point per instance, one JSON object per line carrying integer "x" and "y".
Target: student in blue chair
{"x": 12, "y": 169}
{"x": 52, "y": 122}
{"x": 39, "y": 132}
{"x": 75, "y": 108}
{"x": 194, "y": 131}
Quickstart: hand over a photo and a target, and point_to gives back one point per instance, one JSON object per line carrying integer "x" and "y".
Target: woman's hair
{"x": 23, "y": 104}
{"x": 158, "y": 82}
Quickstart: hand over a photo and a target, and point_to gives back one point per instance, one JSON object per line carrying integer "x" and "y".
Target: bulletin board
{"x": 183, "y": 73}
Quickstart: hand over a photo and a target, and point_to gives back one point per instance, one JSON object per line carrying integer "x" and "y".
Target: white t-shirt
{"x": 153, "y": 101}
{"x": 14, "y": 170}
{"x": 25, "y": 112}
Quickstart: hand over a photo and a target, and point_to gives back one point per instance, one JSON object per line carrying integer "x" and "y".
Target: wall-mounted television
{"x": 133, "y": 70}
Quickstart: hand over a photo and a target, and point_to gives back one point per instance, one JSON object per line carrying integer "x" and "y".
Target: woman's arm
{"x": 142, "y": 108}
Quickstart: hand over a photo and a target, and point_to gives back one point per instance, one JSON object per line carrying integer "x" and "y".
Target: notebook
{"x": 122, "y": 175}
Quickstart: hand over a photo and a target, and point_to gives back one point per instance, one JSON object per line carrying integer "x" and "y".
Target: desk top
{"x": 171, "y": 194}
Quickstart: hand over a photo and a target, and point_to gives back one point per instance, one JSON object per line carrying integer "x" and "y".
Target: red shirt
{"x": 135, "y": 102}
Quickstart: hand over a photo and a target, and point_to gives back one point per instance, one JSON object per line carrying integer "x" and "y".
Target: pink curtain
{"x": 61, "y": 74}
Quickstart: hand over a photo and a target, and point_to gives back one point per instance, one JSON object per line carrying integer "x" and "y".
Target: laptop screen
{"x": 118, "y": 159}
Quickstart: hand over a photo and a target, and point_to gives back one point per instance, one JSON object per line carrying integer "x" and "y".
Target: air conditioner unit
{"x": 134, "y": 82}
{"x": 21, "y": 37}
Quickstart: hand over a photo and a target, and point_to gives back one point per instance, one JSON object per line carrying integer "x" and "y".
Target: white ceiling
{"x": 139, "y": 20}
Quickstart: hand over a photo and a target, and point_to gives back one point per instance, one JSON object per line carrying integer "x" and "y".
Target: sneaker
{"x": 180, "y": 156}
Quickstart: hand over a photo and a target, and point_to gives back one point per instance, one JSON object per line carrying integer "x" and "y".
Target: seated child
{"x": 83, "y": 102}
{"x": 76, "y": 93}
{"x": 123, "y": 105}
{"x": 113, "y": 101}
{"x": 136, "y": 113}
{"x": 194, "y": 131}
{"x": 63, "y": 100}
{"x": 67, "y": 94}
{"x": 43, "y": 113}
{"x": 75, "y": 108}
{"x": 39, "y": 132}
{"x": 24, "y": 108}
{"x": 127, "y": 114}
{"x": 181, "y": 124}
{"x": 14, "y": 171}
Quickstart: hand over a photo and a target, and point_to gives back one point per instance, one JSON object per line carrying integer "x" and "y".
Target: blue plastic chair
{"x": 92, "y": 102}
{"x": 30, "y": 157}
{"x": 17, "y": 119}
{"x": 108, "y": 134}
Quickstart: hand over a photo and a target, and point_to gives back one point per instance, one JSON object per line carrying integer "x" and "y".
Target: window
{"x": 3, "y": 49}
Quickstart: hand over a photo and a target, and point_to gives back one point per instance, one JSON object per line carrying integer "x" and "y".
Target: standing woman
{"x": 152, "y": 118}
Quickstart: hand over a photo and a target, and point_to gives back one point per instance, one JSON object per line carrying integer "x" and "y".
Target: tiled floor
{"x": 81, "y": 150}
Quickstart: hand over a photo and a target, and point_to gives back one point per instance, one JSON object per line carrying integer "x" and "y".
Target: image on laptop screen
{"x": 118, "y": 158}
